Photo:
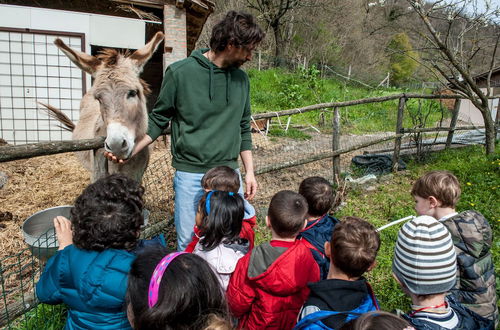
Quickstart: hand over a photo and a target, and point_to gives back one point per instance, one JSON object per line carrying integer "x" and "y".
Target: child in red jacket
{"x": 224, "y": 178}
{"x": 269, "y": 284}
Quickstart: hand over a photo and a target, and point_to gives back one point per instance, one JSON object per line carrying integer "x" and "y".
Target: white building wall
{"x": 33, "y": 69}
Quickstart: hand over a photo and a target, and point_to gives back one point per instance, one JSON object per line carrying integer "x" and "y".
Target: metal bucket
{"x": 39, "y": 233}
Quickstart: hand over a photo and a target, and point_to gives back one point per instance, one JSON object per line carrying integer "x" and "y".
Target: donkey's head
{"x": 120, "y": 92}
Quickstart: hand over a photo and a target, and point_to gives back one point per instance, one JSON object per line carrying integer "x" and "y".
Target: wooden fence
{"x": 11, "y": 153}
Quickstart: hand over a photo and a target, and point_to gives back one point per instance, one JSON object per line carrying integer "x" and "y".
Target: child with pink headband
{"x": 174, "y": 291}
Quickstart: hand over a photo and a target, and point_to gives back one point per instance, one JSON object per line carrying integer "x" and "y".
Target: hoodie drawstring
{"x": 228, "y": 86}
{"x": 210, "y": 82}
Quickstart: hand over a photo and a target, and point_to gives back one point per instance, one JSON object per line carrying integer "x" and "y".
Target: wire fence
{"x": 289, "y": 146}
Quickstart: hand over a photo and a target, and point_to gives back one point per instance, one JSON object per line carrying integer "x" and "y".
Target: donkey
{"x": 115, "y": 105}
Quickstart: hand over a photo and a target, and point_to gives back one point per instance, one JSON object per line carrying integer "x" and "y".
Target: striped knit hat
{"x": 424, "y": 257}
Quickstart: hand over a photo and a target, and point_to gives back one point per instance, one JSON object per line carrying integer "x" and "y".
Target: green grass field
{"x": 275, "y": 89}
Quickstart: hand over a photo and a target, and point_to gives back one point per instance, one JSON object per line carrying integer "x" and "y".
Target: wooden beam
{"x": 9, "y": 153}
{"x": 145, "y": 3}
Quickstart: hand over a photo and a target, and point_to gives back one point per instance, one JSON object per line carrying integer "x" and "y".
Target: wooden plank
{"x": 146, "y": 3}
{"x": 100, "y": 165}
{"x": 336, "y": 144}
{"x": 399, "y": 128}
{"x": 9, "y": 153}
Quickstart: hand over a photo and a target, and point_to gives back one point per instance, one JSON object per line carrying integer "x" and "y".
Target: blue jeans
{"x": 188, "y": 191}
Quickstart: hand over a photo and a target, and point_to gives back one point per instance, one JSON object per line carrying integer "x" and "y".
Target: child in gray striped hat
{"x": 425, "y": 265}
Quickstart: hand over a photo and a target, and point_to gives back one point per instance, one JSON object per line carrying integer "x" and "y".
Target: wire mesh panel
{"x": 32, "y": 70}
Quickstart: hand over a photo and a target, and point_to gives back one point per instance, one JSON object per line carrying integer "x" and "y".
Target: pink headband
{"x": 154, "y": 283}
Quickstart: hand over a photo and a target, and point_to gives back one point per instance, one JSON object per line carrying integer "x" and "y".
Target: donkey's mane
{"x": 110, "y": 56}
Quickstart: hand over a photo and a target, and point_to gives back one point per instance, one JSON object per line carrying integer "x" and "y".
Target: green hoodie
{"x": 210, "y": 112}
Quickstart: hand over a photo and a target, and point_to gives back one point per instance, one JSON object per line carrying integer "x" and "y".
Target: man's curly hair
{"x": 108, "y": 214}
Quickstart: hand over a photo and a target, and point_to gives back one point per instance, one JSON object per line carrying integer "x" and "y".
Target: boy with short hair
{"x": 436, "y": 194}
{"x": 224, "y": 178}
{"x": 320, "y": 196}
{"x": 270, "y": 283}
{"x": 345, "y": 293}
{"x": 425, "y": 265}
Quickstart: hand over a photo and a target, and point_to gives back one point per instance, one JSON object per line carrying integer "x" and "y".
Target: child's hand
{"x": 63, "y": 231}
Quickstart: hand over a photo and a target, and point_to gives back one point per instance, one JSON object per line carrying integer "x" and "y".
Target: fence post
{"x": 453, "y": 123}
{"x": 100, "y": 165}
{"x": 336, "y": 144}
{"x": 399, "y": 130}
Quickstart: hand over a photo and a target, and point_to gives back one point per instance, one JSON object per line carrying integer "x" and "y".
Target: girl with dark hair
{"x": 174, "y": 291}
{"x": 89, "y": 272}
{"x": 219, "y": 219}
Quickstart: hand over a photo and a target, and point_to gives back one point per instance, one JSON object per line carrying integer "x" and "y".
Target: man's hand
{"x": 64, "y": 233}
{"x": 141, "y": 144}
{"x": 110, "y": 156}
{"x": 250, "y": 186}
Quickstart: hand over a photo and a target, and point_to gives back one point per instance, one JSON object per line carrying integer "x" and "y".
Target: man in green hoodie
{"x": 206, "y": 97}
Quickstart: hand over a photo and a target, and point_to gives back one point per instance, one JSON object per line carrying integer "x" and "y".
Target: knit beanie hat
{"x": 424, "y": 257}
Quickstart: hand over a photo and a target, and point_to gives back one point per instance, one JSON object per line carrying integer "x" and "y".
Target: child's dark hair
{"x": 221, "y": 178}
{"x": 222, "y": 213}
{"x": 108, "y": 214}
{"x": 319, "y": 195}
{"x": 189, "y": 294}
{"x": 354, "y": 246}
{"x": 287, "y": 213}
{"x": 378, "y": 320}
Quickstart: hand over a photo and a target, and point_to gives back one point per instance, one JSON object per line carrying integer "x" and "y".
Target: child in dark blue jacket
{"x": 89, "y": 272}
{"x": 319, "y": 195}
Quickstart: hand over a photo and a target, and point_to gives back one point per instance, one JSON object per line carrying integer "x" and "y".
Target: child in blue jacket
{"x": 89, "y": 272}
{"x": 320, "y": 197}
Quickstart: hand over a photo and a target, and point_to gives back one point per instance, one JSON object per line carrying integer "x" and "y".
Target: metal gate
{"x": 32, "y": 69}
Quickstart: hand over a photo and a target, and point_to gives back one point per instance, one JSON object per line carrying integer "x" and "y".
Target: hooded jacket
{"x": 93, "y": 285}
{"x": 316, "y": 233}
{"x": 339, "y": 296}
{"x": 209, "y": 109}
{"x": 475, "y": 288}
{"x": 269, "y": 286}
{"x": 223, "y": 259}
{"x": 459, "y": 318}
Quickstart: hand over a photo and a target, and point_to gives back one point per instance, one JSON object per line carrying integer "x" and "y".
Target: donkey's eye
{"x": 132, "y": 93}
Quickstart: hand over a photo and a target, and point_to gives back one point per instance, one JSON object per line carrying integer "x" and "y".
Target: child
{"x": 219, "y": 219}
{"x": 345, "y": 293}
{"x": 319, "y": 195}
{"x": 425, "y": 266}
{"x": 270, "y": 283}
{"x": 174, "y": 291}
{"x": 89, "y": 272}
{"x": 225, "y": 178}
{"x": 378, "y": 321}
{"x": 436, "y": 194}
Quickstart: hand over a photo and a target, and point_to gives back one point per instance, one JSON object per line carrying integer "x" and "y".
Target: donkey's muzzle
{"x": 119, "y": 140}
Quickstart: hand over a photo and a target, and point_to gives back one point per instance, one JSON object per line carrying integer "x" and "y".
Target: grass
{"x": 480, "y": 183}
{"x": 276, "y": 89}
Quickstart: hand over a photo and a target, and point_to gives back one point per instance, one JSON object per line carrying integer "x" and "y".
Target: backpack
{"x": 313, "y": 320}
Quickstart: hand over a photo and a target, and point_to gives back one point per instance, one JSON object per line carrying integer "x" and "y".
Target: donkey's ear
{"x": 141, "y": 56}
{"x": 86, "y": 62}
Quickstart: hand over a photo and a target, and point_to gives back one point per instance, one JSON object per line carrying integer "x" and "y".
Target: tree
{"x": 470, "y": 41}
{"x": 276, "y": 13}
{"x": 402, "y": 58}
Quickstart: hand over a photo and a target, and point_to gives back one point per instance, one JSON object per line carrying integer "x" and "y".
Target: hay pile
{"x": 33, "y": 185}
